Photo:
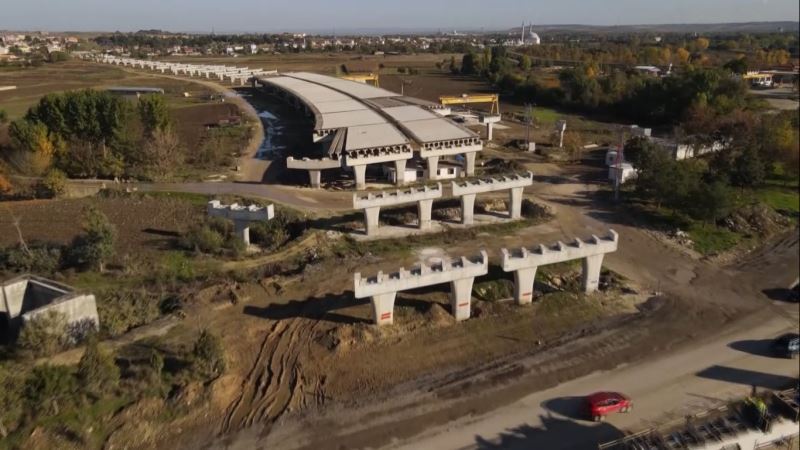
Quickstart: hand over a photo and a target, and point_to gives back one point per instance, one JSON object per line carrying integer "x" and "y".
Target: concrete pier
{"x": 314, "y": 168}
{"x": 489, "y": 120}
{"x": 371, "y": 203}
{"x": 241, "y": 216}
{"x": 459, "y": 272}
{"x": 524, "y": 262}
{"x": 469, "y": 189}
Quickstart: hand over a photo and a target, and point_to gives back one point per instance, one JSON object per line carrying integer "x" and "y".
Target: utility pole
{"x": 618, "y": 170}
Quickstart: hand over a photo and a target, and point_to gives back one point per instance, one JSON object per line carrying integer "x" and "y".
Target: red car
{"x": 601, "y": 404}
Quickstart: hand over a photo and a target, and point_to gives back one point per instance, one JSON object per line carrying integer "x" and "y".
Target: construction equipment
{"x": 464, "y": 99}
{"x": 367, "y": 78}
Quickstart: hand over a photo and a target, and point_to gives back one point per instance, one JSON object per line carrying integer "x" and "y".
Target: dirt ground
{"x": 144, "y": 225}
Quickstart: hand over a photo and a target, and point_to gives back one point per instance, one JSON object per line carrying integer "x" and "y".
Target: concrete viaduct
{"x": 361, "y": 125}
{"x": 371, "y": 203}
{"x": 461, "y": 272}
{"x": 236, "y": 75}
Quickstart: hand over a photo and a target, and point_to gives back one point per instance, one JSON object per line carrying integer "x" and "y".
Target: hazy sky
{"x": 343, "y": 15}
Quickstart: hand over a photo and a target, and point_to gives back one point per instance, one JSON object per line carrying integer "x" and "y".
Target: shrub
{"x": 50, "y": 389}
{"x": 97, "y": 371}
{"x": 208, "y": 356}
{"x": 53, "y": 185}
{"x": 38, "y": 258}
{"x": 119, "y": 311}
{"x": 202, "y": 238}
{"x": 45, "y": 334}
{"x": 3, "y": 116}
{"x": 96, "y": 245}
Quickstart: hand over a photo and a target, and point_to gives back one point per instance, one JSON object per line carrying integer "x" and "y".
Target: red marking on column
{"x": 526, "y": 294}
{"x": 385, "y": 316}
{"x": 461, "y": 305}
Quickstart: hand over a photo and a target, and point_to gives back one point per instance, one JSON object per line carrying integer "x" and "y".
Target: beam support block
{"x": 372, "y": 218}
{"x": 591, "y": 272}
{"x": 400, "y": 172}
{"x": 424, "y": 209}
{"x": 461, "y": 298}
{"x": 433, "y": 167}
{"x": 361, "y": 176}
{"x": 470, "y": 159}
{"x": 523, "y": 285}
{"x": 315, "y": 178}
{"x": 468, "y": 209}
{"x": 383, "y": 308}
{"x": 515, "y": 203}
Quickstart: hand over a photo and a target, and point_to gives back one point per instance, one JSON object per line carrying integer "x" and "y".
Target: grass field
{"x": 34, "y": 83}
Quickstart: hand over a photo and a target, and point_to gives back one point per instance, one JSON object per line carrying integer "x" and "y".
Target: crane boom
{"x": 464, "y": 99}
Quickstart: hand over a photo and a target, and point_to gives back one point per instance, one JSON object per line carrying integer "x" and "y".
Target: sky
{"x": 325, "y": 16}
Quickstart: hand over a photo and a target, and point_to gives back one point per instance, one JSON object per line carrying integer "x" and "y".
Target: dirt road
{"x": 663, "y": 388}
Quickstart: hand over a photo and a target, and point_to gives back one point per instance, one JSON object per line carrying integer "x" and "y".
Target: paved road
{"x": 663, "y": 388}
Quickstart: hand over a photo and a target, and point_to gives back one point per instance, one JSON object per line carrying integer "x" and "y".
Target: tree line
{"x": 95, "y": 134}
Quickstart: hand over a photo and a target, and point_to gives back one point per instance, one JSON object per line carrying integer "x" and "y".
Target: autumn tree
{"x": 95, "y": 246}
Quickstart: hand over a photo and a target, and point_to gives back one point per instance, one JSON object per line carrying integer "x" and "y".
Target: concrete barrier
{"x": 469, "y": 189}
{"x": 371, "y": 203}
{"x": 524, "y": 262}
{"x": 459, "y": 272}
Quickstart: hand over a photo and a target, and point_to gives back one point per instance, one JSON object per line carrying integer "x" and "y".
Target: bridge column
{"x": 461, "y": 297}
{"x": 383, "y": 308}
{"x": 523, "y": 285}
{"x": 515, "y": 203}
{"x": 372, "y": 218}
{"x": 400, "y": 172}
{"x": 433, "y": 167}
{"x": 361, "y": 176}
{"x": 315, "y": 178}
{"x": 468, "y": 208}
{"x": 591, "y": 272}
{"x": 470, "y": 158}
{"x": 489, "y": 131}
{"x": 242, "y": 229}
{"x": 424, "y": 209}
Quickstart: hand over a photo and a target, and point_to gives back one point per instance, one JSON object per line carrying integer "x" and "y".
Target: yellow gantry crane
{"x": 464, "y": 99}
{"x": 368, "y": 78}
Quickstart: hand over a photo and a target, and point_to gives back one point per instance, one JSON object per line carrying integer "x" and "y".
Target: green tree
{"x": 525, "y": 63}
{"x": 710, "y": 201}
{"x": 97, "y": 371}
{"x": 53, "y": 185}
{"x": 95, "y": 246}
{"x": 737, "y": 66}
{"x": 469, "y": 64}
{"x": 208, "y": 356}
{"x": 154, "y": 114}
{"x": 748, "y": 168}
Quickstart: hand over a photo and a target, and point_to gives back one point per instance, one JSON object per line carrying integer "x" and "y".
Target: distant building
{"x": 648, "y": 70}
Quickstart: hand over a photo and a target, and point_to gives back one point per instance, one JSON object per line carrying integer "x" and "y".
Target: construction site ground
{"x": 308, "y": 370}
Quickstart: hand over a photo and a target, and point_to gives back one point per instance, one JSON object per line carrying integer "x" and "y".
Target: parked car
{"x": 787, "y": 345}
{"x": 601, "y": 404}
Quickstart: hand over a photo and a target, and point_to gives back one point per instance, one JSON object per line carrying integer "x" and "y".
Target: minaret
{"x": 522, "y": 35}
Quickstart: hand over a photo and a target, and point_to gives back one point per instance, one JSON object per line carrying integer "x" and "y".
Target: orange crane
{"x": 464, "y": 99}
{"x": 367, "y": 78}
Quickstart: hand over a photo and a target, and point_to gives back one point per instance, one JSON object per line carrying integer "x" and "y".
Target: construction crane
{"x": 367, "y": 78}
{"x": 494, "y": 99}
